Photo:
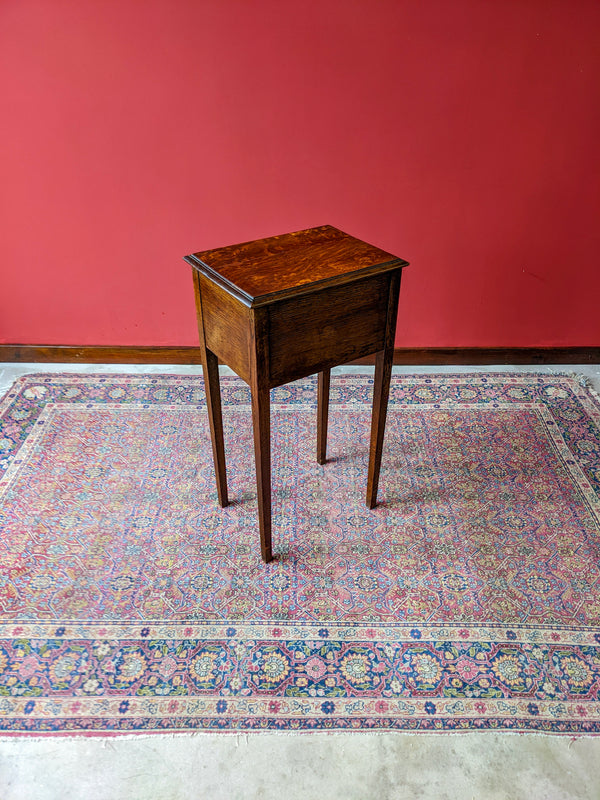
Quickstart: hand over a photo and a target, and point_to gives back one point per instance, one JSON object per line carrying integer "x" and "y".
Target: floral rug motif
{"x": 469, "y": 598}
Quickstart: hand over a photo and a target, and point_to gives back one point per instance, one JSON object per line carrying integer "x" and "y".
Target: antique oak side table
{"x": 285, "y": 307}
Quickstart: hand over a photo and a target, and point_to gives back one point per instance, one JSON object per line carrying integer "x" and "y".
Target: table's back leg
{"x": 210, "y": 368}
{"x": 322, "y": 414}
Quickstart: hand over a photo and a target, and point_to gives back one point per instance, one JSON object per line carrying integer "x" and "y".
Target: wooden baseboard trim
{"x": 409, "y": 356}
{"x": 442, "y": 356}
{"x": 67, "y": 354}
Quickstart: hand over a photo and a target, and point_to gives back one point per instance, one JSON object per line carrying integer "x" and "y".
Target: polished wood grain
{"x": 262, "y": 271}
{"x": 285, "y": 307}
{"x": 227, "y": 326}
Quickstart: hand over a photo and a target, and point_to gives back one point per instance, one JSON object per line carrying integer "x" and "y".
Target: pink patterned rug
{"x": 468, "y": 599}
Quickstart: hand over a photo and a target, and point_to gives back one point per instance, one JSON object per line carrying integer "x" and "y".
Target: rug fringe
{"x": 106, "y": 739}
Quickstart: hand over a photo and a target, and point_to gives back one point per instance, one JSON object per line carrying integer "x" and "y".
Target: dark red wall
{"x": 462, "y": 135}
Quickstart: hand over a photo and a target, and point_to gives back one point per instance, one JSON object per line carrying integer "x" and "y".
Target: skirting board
{"x": 432, "y": 356}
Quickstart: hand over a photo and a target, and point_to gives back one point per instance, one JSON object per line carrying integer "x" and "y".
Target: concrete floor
{"x": 353, "y": 766}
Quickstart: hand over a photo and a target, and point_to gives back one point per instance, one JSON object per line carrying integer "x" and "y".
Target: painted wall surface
{"x": 463, "y": 136}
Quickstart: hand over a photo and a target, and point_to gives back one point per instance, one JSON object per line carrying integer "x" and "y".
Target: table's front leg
{"x": 381, "y": 390}
{"x": 261, "y": 422}
{"x": 322, "y": 414}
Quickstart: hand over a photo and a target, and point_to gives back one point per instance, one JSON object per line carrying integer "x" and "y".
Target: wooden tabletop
{"x": 267, "y": 270}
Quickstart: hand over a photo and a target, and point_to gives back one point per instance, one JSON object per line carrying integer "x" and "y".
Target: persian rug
{"x": 469, "y": 598}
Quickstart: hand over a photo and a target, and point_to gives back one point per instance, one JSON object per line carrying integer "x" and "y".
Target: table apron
{"x": 327, "y": 327}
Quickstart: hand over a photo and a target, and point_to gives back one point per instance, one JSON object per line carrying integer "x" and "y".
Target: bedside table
{"x": 285, "y": 307}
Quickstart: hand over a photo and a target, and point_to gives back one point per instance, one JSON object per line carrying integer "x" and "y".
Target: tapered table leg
{"x": 381, "y": 390}
{"x": 210, "y": 368}
{"x": 261, "y": 422}
{"x": 322, "y": 414}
